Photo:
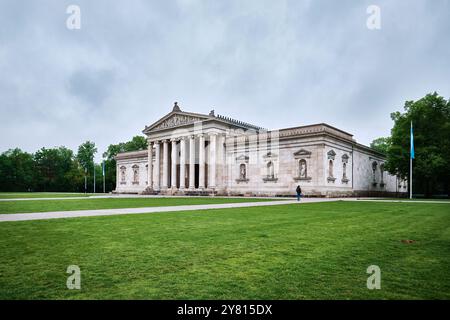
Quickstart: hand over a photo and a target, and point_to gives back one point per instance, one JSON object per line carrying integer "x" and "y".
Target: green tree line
{"x": 60, "y": 169}
{"x": 430, "y": 117}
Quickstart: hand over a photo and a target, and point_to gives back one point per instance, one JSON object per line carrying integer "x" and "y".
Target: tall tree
{"x": 52, "y": 166}
{"x": 85, "y": 155}
{"x": 381, "y": 144}
{"x": 431, "y": 121}
{"x": 17, "y": 171}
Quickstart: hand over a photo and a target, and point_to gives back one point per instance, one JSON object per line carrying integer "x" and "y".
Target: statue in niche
{"x": 270, "y": 170}
{"x": 344, "y": 171}
{"x": 243, "y": 173}
{"x": 330, "y": 169}
{"x": 135, "y": 174}
{"x": 302, "y": 168}
{"x": 122, "y": 174}
{"x": 374, "y": 169}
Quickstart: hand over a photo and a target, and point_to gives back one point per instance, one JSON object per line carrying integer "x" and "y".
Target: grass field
{"x": 16, "y": 195}
{"x": 307, "y": 251}
{"x": 110, "y": 203}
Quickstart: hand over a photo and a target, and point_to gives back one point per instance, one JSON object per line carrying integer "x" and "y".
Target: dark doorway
{"x": 197, "y": 171}
{"x": 178, "y": 176}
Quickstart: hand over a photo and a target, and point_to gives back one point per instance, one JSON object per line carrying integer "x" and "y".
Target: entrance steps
{"x": 150, "y": 191}
{"x": 199, "y": 193}
{"x": 170, "y": 192}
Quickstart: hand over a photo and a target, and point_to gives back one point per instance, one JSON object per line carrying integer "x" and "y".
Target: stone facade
{"x": 193, "y": 153}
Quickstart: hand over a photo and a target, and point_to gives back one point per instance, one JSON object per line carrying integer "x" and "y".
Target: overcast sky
{"x": 272, "y": 63}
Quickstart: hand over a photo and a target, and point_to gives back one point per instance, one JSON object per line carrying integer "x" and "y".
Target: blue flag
{"x": 412, "y": 142}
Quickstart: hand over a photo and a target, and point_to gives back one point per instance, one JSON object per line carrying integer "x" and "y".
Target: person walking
{"x": 299, "y": 192}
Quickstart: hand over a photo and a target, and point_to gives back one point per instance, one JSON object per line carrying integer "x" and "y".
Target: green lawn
{"x": 15, "y": 195}
{"x": 110, "y": 203}
{"x": 307, "y": 251}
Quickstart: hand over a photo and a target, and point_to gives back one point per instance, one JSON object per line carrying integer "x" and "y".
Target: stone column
{"x": 149, "y": 166}
{"x": 223, "y": 158}
{"x": 221, "y": 161}
{"x": 212, "y": 161}
{"x": 230, "y": 155}
{"x": 117, "y": 176}
{"x": 182, "y": 163}
{"x": 192, "y": 162}
{"x": 173, "y": 172}
{"x": 201, "y": 165}
{"x": 157, "y": 182}
{"x": 165, "y": 164}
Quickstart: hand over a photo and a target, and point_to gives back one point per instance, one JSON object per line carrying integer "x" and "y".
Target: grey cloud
{"x": 92, "y": 86}
{"x": 272, "y": 63}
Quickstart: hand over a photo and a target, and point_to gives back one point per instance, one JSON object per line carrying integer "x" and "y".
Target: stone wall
{"x": 368, "y": 175}
{"x": 126, "y": 180}
{"x": 326, "y": 160}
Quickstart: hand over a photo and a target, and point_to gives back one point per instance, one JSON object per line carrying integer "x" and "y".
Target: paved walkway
{"x": 118, "y": 196}
{"x": 108, "y": 212}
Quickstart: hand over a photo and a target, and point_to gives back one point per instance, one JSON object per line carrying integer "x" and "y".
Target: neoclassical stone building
{"x": 191, "y": 153}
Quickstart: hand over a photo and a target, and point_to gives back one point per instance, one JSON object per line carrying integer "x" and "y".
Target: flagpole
{"x": 103, "y": 176}
{"x": 411, "y": 157}
{"x": 410, "y": 177}
{"x": 94, "y": 177}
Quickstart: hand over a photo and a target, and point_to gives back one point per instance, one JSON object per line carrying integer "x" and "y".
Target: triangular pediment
{"x": 345, "y": 158}
{"x": 242, "y": 157}
{"x": 331, "y": 154}
{"x": 179, "y": 118}
{"x": 175, "y": 119}
{"x": 302, "y": 153}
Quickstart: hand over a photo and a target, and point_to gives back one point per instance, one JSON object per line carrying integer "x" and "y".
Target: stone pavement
{"x": 107, "y": 212}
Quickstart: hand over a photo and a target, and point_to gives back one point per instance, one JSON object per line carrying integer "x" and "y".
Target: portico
{"x": 187, "y": 163}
